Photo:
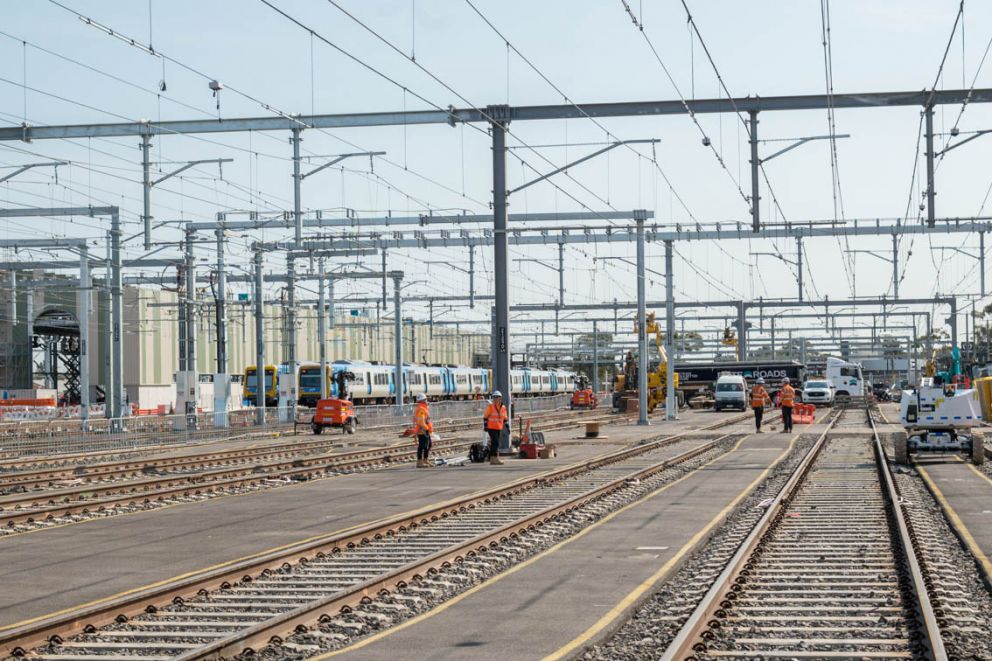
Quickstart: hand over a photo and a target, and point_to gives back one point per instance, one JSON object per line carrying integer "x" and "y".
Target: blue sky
{"x": 589, "y": 50}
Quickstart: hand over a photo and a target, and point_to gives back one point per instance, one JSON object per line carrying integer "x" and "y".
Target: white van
{"x": 731, "y": 392}
{"x": 846, "y": 378}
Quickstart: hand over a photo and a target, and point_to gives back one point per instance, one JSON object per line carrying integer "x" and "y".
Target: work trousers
{"x": 759, "y": 411}
{"x": 494, "y": 435}
{"x": 787, "y": 418}
{"x": 423, "y": 446}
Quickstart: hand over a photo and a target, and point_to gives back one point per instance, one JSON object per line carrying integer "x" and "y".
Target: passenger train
{"x": 374, "y": 382}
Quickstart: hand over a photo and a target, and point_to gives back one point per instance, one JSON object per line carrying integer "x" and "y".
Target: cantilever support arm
{"x": 802, "y": 141}
{"x": 612, "y": 145}
{"x": 340, "y": 158}
{"x": 28, "y": 166}
{"x": 218, "y": 161}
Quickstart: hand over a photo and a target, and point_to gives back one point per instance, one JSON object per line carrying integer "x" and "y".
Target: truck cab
{"x": 846, "y": 378}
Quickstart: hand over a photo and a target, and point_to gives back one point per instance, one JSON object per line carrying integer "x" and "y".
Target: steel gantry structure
{"x": 498, "y": 118}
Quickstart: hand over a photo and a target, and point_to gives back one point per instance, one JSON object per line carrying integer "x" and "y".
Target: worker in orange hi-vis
{"x": 494, "y": 420}
{"x": 424, "y": 428}
{"x": 787, "y": 399}
{"x": 759, "y": 397}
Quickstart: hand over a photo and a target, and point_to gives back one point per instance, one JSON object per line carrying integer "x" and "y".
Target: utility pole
{"x": 501, "y": 368}
{"x": 398, "y": 344}
{"x": 671, "y": 397}
{"x": 321, "y": 330}
{"x": 471, "y": 277}
{"x": 755, "y": 164}
{"x": 799, "y": 265}
{"x": 931, "y": 211}
{"x": 595, "y": 357}
{"x": 561, "y": 274}
{"x": 117, "y": 313}
{"x": 297, "y": 180}
{"x": 291, "y": 366}
{"x": 259, "y": 341}
{"x": 108, "y": 359}
{"x": 146, "y": 217}
{"x": 642, "y": 331}
{"x": 895, "y": 265}
{"x": 83, "y": 308}
{"x": 222, "y": 380}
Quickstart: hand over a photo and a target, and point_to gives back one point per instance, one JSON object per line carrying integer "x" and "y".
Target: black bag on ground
{"x": 478, "y": 453}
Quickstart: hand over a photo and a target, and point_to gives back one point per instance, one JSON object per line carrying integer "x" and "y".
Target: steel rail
{"x": 682, "y": 647}
{"x": 283, "y": 624}
{"x": 907, "y": 540}
{"x": 130, "y": 467}
{"x": 17, "y": 641}
{"x": 129, "y": 493}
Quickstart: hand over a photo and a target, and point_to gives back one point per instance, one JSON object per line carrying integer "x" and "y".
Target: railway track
{"x": 225, "y": 611}
{"x": 829, "y": 571}
{"x": 35, "y": 476}
{"x": 75, "y": 503}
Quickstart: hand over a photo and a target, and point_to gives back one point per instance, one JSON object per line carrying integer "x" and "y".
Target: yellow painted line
{"x": 975, "y": 470}
{"x": 635, "y": 595}
{"x": 227, "y": 563}
{"x": 585, "y": 531}
{"x": 956, "y": 521}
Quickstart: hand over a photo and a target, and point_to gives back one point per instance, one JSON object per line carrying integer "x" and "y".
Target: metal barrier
{"x": 66, "y": 435}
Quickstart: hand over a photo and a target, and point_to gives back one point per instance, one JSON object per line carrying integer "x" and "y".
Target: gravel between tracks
{"x": 336, "y": 631}
{"x": 961, "y": 601}
{"x": 655, "y": 623}
{"x": 148, "y": 502}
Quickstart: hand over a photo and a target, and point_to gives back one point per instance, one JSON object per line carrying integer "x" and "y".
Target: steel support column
{"x": 398, "y": 344}
{"x": 291, "y": 327}
{"x": 895, "y": 266}
{"x": 471, "y": 277}
{"x": 931, "y": 211}
{"x": 561, "y": 274}
{"x": 259, "y": 342}
{"x": 146, "y": 181}
{"x": 384, "y": 299}
{"x": 297, "y": 213}
{"x": 321, "y": 330}
{"x": 981, "y": 261}
{"x": 642, "y": 331}
{"x": 191, "y": 339}
{"x": 117, "y": 313}
{"x": 799, "y": 265}
{"x": 755, "y": 164}
{"x": 501, "y": 368}
{"x": 671, "y": 397}
{"x": 221, "y": 380}
{"x": 595, "y": 357}
{"x": 83, "y": 313}
{"x": 12, "y": 303}
{"x": 108, "y": 359}
{"x": 741, "y": 331}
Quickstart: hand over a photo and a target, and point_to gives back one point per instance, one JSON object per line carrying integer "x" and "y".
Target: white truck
{"x": 846, "y": 377}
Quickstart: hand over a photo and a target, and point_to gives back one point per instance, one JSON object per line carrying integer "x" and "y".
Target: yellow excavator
{"x": 625, "y": 394}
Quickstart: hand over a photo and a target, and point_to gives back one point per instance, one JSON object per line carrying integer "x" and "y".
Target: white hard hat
{"x": 785, "y": 380}
{"x": 421, "y": 397}
{"x": 497, "y": 393}
{"x": 760, "y": 380}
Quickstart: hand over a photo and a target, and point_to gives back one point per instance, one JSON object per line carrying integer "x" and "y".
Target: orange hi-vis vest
{"x": 495, "y": 417}
{"x": 421, "y": 418}
{"x": 758, "y": 396}
{"x": 787, "y": 396}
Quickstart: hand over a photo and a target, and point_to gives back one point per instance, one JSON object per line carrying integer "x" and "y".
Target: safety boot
{"x": 421, "y": 463}
{"x": 495, "y": 460}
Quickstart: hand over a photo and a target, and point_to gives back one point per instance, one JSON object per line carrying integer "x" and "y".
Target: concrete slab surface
{"x": 565, "y": 597}
{"x": 61, "y": 567}
{"x": 965, "y": 493}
